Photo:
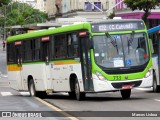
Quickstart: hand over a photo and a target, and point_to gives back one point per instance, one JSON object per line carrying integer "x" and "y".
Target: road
{"x": 141, "y": 100}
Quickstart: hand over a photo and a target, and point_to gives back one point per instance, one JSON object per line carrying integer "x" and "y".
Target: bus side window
{"x": 60, "y": 46}
{"x": 69, "y": 46}
{"x": 27, "y": 50}
{"x": 10, "y": 53}
{"x": 75, "y": 45}
{"x": 36, "y": 51}
{"x": 52, "y": 53}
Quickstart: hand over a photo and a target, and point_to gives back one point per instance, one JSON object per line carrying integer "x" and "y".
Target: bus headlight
{"x": 100, "y": 76}
{"x": 148, "y": 73}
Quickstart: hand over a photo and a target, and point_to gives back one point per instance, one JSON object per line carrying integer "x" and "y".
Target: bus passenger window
{"x": 69, "y": 46}
{"x": 75, "y": 45}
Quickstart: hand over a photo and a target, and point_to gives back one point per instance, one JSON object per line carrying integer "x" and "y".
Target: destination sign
{"x": 105, "y": 27}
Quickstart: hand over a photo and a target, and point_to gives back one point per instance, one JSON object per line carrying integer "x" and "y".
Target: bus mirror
{"x": 151, "y": 46}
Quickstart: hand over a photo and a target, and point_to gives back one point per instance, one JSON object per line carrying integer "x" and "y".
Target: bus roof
{"x": 79, "y": 26}
{"x": 48, "y": 32}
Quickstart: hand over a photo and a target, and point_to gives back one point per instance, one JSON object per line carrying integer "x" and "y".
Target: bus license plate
{"x": 125, "y": 87}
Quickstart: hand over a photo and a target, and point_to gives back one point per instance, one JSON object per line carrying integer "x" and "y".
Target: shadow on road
{"x": 91, "y": 98}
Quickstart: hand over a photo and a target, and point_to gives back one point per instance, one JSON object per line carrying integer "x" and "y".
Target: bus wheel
{"x": 72, "y": 94}
{"x": 41, "y": 94}
{"x": 32, "y": 89}
{"x": 79, "y": 95}
{"x": 155, "y": 87}
{"x": 126, "y": 93}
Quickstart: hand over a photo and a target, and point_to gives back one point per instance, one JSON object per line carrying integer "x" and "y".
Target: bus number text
{"x": 116, "y": 77}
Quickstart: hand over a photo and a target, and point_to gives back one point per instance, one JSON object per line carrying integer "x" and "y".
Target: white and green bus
{"x": 106, "y": 56}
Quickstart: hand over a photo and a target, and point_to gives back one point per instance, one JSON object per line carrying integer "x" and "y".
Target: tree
{"x": 4, "y": 2}
{"x": 21, "y": 13}
{"x": 111, "y": 15}
{"x": 145, "y": 5}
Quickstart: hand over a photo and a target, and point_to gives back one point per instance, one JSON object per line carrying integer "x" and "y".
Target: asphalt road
{"x": 141, "y": 100}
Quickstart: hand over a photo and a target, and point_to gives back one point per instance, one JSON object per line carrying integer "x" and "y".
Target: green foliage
{"x": 145, "y": 5}
{"x": 21, "y": 13}
{"x": 111, "y": 15}
{"x": 4, "y": 2}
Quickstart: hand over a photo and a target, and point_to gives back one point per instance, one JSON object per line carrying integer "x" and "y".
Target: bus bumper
{"x": 147, "y": 82}
{"x": 105, "y": 85}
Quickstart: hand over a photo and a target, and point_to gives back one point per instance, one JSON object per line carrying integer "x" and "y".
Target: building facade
{"x": 122, "y": 11}
{"x": 36, "y": 4}
{"x": 89, "y": 9}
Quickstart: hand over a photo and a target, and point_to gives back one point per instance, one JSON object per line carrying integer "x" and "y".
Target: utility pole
{"x": 5, "y": 22}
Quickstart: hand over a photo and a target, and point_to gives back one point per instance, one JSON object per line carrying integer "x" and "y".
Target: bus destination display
{"x": 105, "y": 27}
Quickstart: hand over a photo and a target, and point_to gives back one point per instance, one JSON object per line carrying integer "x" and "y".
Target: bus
{"x": 154, "y": 35}
{"x": 89, "y": 57}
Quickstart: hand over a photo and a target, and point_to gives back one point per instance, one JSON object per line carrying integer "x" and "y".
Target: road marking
{"x": 56, "y": 109}
{"x": 157, "y": 100}
{"x": 6, "y": 93}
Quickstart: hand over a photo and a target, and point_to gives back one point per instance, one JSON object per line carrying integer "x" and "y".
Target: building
{"x": 122, "y": 11}
{"x": 36, "y": 4}
{"x": 79, "y": 8}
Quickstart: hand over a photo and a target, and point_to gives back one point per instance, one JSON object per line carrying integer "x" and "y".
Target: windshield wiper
{"x": 114, "y": 42}
{"x": 130, "y": 41}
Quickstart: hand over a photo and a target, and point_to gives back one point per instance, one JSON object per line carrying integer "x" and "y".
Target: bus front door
{"x": 19, "y": 68}
{"x": 45, "y": 55}
{"x": 86, "y": 64}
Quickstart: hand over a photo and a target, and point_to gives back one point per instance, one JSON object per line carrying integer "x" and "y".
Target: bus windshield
{"x": 121, "y": 50}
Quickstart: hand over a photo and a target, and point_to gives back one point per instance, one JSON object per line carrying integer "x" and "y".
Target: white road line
{"x": 6, "y": 93}
{"x": 157, "y": 100}
{"x": 24, "y": 93}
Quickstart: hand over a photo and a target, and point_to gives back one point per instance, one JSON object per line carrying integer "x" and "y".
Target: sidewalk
{"x": 3, "y": 62}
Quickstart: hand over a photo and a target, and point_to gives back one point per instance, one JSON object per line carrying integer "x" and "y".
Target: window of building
{"x": 87, "y": 6}
{"x": 107, "y": 5}
{"x": 98, "y": 5}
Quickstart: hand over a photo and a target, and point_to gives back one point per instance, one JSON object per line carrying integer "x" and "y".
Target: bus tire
{"x": 126, "y": 93}
{"x": 79, "y": 95}
{"x": 31, "y": 88}
{"x": 72, "y": 94}
{"x": 41, "y": 94}
{"x": 155, "y": 86}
